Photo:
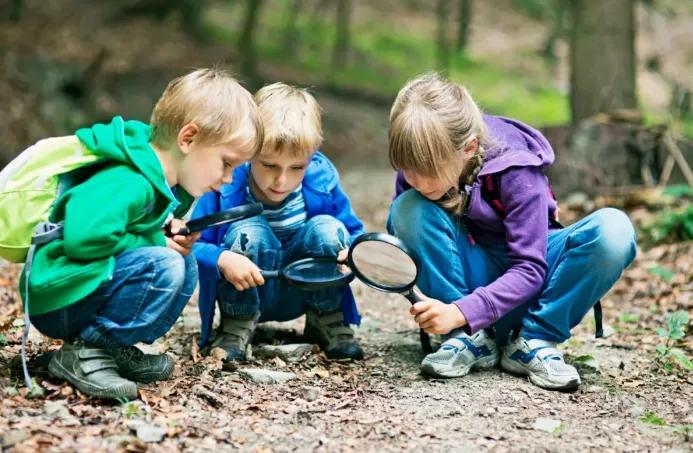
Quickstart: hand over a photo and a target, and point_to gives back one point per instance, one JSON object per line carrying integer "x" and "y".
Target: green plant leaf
{"x": 661, "y": 271}
{"x": 678, "y": 190}
{"x": 652, "y": 419}
{"x": 680, "y": 357}
{"x": 628, "y": 318}
{"x": 661, "y": 350}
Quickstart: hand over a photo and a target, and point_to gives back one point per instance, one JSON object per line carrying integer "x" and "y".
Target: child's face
{"x": 274, "y": 175}
{"x": 206, "y": 167}
{"x": 431, "y": 187}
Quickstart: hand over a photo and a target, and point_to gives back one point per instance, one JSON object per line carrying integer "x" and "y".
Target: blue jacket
{"x": 322, "y": 195}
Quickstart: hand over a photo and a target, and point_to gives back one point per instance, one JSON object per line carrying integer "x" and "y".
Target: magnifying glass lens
{"x": 384, "y": 264}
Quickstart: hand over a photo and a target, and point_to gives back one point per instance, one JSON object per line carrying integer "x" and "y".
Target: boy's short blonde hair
{"x": 215, "y": 102}
{"x": 291, "y": 117}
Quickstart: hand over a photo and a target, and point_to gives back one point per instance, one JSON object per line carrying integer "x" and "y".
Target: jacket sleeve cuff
{"x": 477, "y": 311}
{"x": 208, "y": 258}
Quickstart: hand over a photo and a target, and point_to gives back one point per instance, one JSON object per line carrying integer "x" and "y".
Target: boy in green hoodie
{"x": 114, "y": 278}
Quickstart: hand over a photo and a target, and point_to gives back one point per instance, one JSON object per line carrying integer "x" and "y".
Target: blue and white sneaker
{"x": 461, "y": 353}
{"x": 542, "y": 362}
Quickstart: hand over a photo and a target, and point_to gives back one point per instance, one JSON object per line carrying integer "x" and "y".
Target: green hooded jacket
{"x": 121, "y": 205}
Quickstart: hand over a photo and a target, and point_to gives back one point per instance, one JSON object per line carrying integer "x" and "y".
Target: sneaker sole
{"x": 443, "y": 371}
{"x": 125, "y": 391}
{"x": 536, "y": 379}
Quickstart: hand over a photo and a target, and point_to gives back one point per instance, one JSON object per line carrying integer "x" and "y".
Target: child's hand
{"x": 239, "y": 271}
{"x": 342, "y": 255}
{"x": 179, "y": 242}
{"x": 433, "y": 316}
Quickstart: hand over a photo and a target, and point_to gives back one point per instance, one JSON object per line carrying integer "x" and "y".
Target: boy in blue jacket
{"x": 306, "y": 214}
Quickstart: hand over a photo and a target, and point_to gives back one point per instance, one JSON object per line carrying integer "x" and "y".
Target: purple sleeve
{"x": 524, "y": 195}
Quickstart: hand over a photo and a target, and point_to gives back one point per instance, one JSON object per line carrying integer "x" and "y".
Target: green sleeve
{"x": 98, "y": 211}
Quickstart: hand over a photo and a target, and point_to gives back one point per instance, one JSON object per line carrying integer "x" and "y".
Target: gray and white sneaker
{"x": 461, "y": 353}
{"x": 542, "y": 362}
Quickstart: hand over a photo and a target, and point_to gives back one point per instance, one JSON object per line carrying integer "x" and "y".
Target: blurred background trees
{"x": 606, "y": 80}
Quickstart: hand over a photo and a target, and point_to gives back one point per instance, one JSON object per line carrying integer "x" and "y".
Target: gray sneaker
{"x": 333, "y": 337}
{"x": 135, "y": 365}
{"x": 92, "y": 370}
{"x": 461, "y": 353}
{"x": 234, "y": 334}
{"x": 542, "y": 362}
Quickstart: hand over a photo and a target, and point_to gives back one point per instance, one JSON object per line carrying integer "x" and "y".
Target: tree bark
{"x": 442, "y": 43}
{"x": 464, "y": 16}
{"x": 340, "y": 53}
{"x": 602, "y": 57}
{"x": 291, "y": 34}
{"x": 246, "y": 42}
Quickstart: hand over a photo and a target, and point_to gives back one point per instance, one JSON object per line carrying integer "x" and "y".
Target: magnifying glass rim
{"x": 388, "y": 239}
{"x": 344, "y": 280}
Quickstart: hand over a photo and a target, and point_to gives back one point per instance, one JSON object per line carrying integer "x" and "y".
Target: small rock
{"x": 507, "y": 410}
{"x": 608, "y": 331}
{"x": 7, "y": 439}
{"x": 150, "y": 433}
{"x": 310, "y": 393}
{"x": 548, "y": 425}
{"x": 287, "y": 352}
{"x": 58, "y": 409}
{"x": 593, "y": 389}
{"x": 219, "y": 353}
{"x": 262, "y": 376}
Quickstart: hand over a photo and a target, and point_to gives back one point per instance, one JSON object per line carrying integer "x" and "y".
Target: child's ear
{"x": 186, "y": 136}
{"x": 471, "y": 146}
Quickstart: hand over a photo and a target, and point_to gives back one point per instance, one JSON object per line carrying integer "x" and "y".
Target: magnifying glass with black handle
{"x": 383, "y": 262}
{"x": 219, "y": 218}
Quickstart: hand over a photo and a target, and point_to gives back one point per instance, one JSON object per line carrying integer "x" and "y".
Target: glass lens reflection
{"x": 384, "y": 264}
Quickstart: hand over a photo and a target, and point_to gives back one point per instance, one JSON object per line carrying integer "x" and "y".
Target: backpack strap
{"x": 490, "y": 192}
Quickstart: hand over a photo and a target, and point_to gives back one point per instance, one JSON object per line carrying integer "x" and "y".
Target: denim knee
{"x": 250, "y": 237}
{"x": 615, "y": 239}
{"x": 325, "y": 236}
{"x": 169, "y": 267}
{"x": 411, "y": 213}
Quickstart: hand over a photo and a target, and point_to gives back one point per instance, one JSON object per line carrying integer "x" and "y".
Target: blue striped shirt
{"x": 287, "y": 218}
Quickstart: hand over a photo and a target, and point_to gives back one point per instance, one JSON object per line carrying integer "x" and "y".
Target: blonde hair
{"x": 292, "y": 119}
{"x": 215, "y": 102}
{"x": 431, "y": 121}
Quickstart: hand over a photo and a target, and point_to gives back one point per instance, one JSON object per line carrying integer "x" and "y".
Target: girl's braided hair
{"x": 431, "y": 123}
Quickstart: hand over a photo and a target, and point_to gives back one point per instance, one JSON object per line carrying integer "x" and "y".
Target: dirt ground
{"x": 627, "y": 401}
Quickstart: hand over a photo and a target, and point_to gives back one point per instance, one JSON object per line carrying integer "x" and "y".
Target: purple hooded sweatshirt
{"x": 518, "y": 153}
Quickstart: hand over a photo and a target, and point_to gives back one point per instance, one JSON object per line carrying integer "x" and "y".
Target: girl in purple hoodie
{"x": 491, "y": 267}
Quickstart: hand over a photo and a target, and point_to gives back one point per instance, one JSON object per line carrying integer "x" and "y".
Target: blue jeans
{"x": 148, "y": 291}
{"x": 584, "y": 260}
{"x": 276, "y": 300}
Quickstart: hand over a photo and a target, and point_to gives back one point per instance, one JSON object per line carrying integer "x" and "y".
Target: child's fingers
{"x": 419, "y": 307}
{"x": 257, "y": 277}
{"x": 425, "y": 317}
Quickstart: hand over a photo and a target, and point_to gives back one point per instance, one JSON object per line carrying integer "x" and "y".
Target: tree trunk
{"x": 291, "y": 33}
{"x": 246, "y": 42}
{"x": 465, "y": 13}
{"x": 602, "y": 57}
{"x": 340, "y": 54}
{"x": 442, "y": 44}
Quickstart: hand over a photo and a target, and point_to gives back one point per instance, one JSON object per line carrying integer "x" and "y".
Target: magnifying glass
{"x": 220, "y": 218}
{"x": 313, "y": 274}
{"x": 383, "y": 262}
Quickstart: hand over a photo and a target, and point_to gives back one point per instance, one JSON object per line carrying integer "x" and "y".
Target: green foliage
{"x": 676, "y": 325}
{"x": 652, "y": 419}
{"x": 383, "y": 59}
{"x": 661, "y": 271}
{"x": 671, "y": 225}
{"x": 674, "y": 332}
{"x": 130, "y": 409}
{"x": 628, "y": 318}
{"x": 3, "y": 339}
{"x": 36, "y": 390}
